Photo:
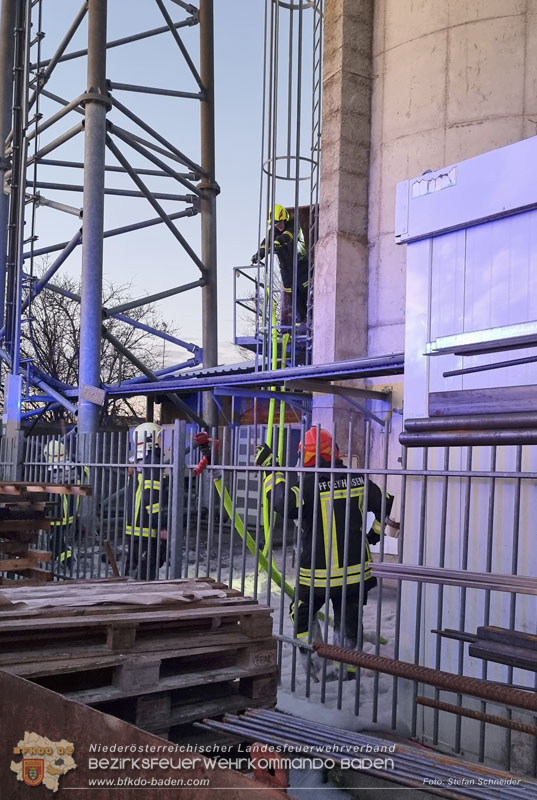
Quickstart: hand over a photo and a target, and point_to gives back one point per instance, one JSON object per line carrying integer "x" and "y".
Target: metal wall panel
{"x": 476, "y": 511}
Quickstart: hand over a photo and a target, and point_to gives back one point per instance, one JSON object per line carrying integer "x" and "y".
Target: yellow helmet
{"x": 54, "y": 451}
{"x": 280, "y": 214}
{"x": 145, "y": 436}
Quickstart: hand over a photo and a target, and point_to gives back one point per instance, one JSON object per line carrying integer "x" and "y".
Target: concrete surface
{"x": 451, "y": 79}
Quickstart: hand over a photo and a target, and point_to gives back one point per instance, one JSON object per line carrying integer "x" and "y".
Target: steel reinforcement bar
{"x": 503, "y": 695}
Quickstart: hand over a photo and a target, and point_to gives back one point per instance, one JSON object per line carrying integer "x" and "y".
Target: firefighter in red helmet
{"x": 326, "y": 546}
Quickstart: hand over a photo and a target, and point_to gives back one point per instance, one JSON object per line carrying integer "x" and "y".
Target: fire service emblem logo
{"x": 33, "y": 771}
{"x": 43, "y": 761}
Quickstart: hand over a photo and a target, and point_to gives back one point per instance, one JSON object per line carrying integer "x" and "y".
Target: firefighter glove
{"x": 263, "y": 456}
{"x": 255, "y": 258}
{"x": 201, "y": 439}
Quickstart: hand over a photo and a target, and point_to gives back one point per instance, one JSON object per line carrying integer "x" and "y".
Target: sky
{"x": 151, "y": 259}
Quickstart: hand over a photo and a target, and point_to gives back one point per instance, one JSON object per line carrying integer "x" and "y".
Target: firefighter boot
{"x": 349, "y": 642}
{"x": 307, "y": 657}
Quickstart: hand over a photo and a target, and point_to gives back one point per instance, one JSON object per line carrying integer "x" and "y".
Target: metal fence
{"x": 465, "y": 513}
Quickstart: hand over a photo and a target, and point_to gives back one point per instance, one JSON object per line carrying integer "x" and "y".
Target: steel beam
{"x": 180, "y": 45}
{"x": 136, "y": 37}
{"x": 190, "y": 346}
{"x": 165, "y": 169}
{"x": 208, "y": 201}
{"x": 151, "y": 298}
{"x": 71, "y": 187}
{"x": 55, "y": 162}
{"x": 135, "y": 226}
{"x": 468, "y": 438}
{"x": 60, "y": 50}
{"x": 93, "y": 220}
{"x": 152, "y": 132}
{"x": 7, "y": 41}
{"x": 342, "y": 370}
{"x": 131, "y": 87}
{"x": 178, "y": 403}
{"x": 470, "y": 422}
{"x": 18, "y": 196}
{"x": 150, "y": 197}
{"x": 330, "y": 388}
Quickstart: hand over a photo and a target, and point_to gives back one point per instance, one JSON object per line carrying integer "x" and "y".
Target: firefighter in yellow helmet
{"x": 65, "y": 527}
{"x": 147, "y": 505}
{"x": 284, "y": 230}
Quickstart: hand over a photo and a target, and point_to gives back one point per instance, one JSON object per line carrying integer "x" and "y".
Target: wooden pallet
{"x": 159, "y": 654}
{"x": 23, "y": 513}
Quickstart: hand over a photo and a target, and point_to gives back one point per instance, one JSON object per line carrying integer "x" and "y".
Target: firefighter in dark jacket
{"x": 322, "y": 550}
{"x": 147, "y": 506}
{"x": 284, "y": 231}
{"x": 65, "y": 526}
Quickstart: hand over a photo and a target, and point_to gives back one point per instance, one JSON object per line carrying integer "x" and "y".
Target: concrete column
{"x": 341, "y": 253}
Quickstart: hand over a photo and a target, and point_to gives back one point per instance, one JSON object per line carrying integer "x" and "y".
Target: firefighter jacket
{"x": 326, "y": 544}
{"x": 283, "y": 249}
{"x": 65, "y": 511}
{"x": 147, "y": 498}
{"x": 67, "y": 505}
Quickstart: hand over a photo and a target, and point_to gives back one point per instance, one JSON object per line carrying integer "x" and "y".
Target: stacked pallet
{"x": 23, "y": 513}
{"x": 158, "y": 654}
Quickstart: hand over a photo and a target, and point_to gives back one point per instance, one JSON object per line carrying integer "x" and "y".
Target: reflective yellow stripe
{"x": 148, "y": 484}
{"x": 135, "y": 530}
{"x": 141, "y": 532}
{"x": 337, "y": 572}
{"x": 320, "y": 583}
{"x": 267, "y": 486}
{"x": 375, "y": 527}
{"x": 65, "y": 555}
{"x": 336, "y": 578}
{"x": 154, "y": 509}
{"x": 138, "y": 499}
{"x": 269, "y": 480}
{"x": 302, "y": 635}
{"x": 287, "y": 290}
{"x": 336, "y": 494}
{"x": 328, "y": 533}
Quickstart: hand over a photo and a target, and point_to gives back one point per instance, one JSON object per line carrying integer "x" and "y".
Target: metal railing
{"x": 463, "y": 511}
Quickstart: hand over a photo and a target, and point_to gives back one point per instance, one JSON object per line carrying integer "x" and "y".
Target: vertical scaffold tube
{"x": 7, "y": 31}
{"x": 93, "y": 219}
{"x": 208, "y": 201}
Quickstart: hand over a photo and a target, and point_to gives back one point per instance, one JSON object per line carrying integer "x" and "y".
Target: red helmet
{"x": 310, "y": 447}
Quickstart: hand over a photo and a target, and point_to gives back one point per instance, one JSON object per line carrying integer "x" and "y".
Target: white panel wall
{"x": 477, "y": 277}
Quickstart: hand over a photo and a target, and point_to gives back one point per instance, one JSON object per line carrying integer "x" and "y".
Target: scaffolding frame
{"x": 24, "y": 75}
{"x": 293, "y": 37}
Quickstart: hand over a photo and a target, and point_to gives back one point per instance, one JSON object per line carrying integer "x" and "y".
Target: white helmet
{"x": 146, "y": 436}
{"x": 54, "y": 451}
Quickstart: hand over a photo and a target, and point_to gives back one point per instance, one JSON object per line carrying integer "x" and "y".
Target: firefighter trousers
{"x": 302, "y": 610}
{"x": 145, "y": 552}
